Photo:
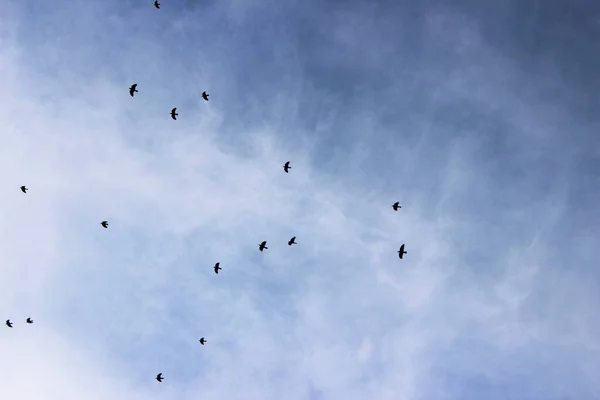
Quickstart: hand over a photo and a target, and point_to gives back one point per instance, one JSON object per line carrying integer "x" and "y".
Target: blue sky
{"x": 479, "y": 117}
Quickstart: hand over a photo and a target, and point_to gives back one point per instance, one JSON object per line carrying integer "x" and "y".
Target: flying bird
{"x": 217, "y": 268}
{"x": 159, "y": 377}
{"x": 133, "y": 89}
{"x": 29, "y": 321}
{"x": 205, "y": 96}
{"x": 396, "y": 206}
{"x": 156, "y": 4}
{"x": 8, "y": 323}
{"x": 173, "y": 113}
{"x": 202, "y": 341}
{"x": 24, "y": 189}
{"x": 263, "y": 245}
{"x": 401, "y": 252}
{"x": 286, "y": 167}
{"x": 104, "y": 224}
{"x": 292, "y": 241}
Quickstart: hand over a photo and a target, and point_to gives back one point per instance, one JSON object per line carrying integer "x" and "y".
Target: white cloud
{"x": 337, "y": 316}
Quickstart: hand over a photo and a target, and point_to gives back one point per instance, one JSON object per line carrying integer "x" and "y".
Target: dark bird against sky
{"x": 133, "y": 89}
{"x": 263, "y": 245}
{"x": 401, "y": 252}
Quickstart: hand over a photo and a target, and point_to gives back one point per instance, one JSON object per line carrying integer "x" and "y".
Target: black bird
{"x": 29, "y": 321}
{"x": 396, "y": 206}
{"x": 286, "y": 167}
{"x": 202, "y": 341}
{"x": 292, "y": 241}
{"x": 173, "y": 113}
{"x": 8, "y": 323}
{"x": 133, "y": 89}
{"x": 156, "y": 4}
{"x": 401, "y": 252}
{"x": 263, "y": 245}
{"x": 205, "y": 96}
{"x": 23, "y": 189}
{"x": 217, "y": 268}
{"x": 104, "y": 224}
{"x": 159, "y": 377}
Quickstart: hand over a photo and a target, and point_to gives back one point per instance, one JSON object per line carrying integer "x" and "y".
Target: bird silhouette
{"x": 263, "y": 245}
{"x": 396, "y": 206}
{"x": 173, "y": 113}
{"x": 217, "y": 268}
{"x": 104, "y": 224}
{"x": 156, "y": 4}
{"x": 292, "y": 241}
{"x": 24, "y": 189}
{"x": 29, "y": 321}
{"x": 205, "y": 96}
{"x": 202, "y": 341}
{"x": 133, "y": 89}
{"x": 159, "y": 377}
{"x": 286, "y": 167}
{"x": 8, "y": 323}
{"x": 401, "y": 252}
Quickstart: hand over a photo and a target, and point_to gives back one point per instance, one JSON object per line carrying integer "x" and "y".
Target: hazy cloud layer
{"x": 484, "y": 130}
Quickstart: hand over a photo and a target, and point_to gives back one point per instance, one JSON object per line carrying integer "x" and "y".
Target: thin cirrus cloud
{"x": 485, "y": 143}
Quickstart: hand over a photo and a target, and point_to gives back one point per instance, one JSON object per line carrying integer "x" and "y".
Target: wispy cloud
{"x": 431, "y": 105}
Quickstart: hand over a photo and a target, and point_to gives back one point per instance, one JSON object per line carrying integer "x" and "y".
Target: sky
{"x": 479, "y": 117}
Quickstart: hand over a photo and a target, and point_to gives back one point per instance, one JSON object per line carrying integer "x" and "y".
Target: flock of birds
{"x": 262, "y": 246}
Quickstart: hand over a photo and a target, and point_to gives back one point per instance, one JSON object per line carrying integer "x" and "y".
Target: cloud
{"x": 495, "y": 297}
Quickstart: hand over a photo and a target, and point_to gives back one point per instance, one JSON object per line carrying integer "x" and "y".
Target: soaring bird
{"x": 104, "y": 224}
{"x": 396, "y": 206}
{"x": 156, "y": 4}
{"x": 401, "y": 252}
{"x": 24, "y": 189}
{"x": 8, "y": 323}
{"x": 29, "y": 321}
{"x": 205, "y": 96}
{"x": 292, "y": 241}
{"x": 286, "y": 167}
{"x": 173, "y": 113}
{"x": 159, "y": 377}
{"x": 263, "y": 245}
{"x": 202, "y": 341}
{"x": 217, "y": 268}
{"x": 133, "y": 89}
